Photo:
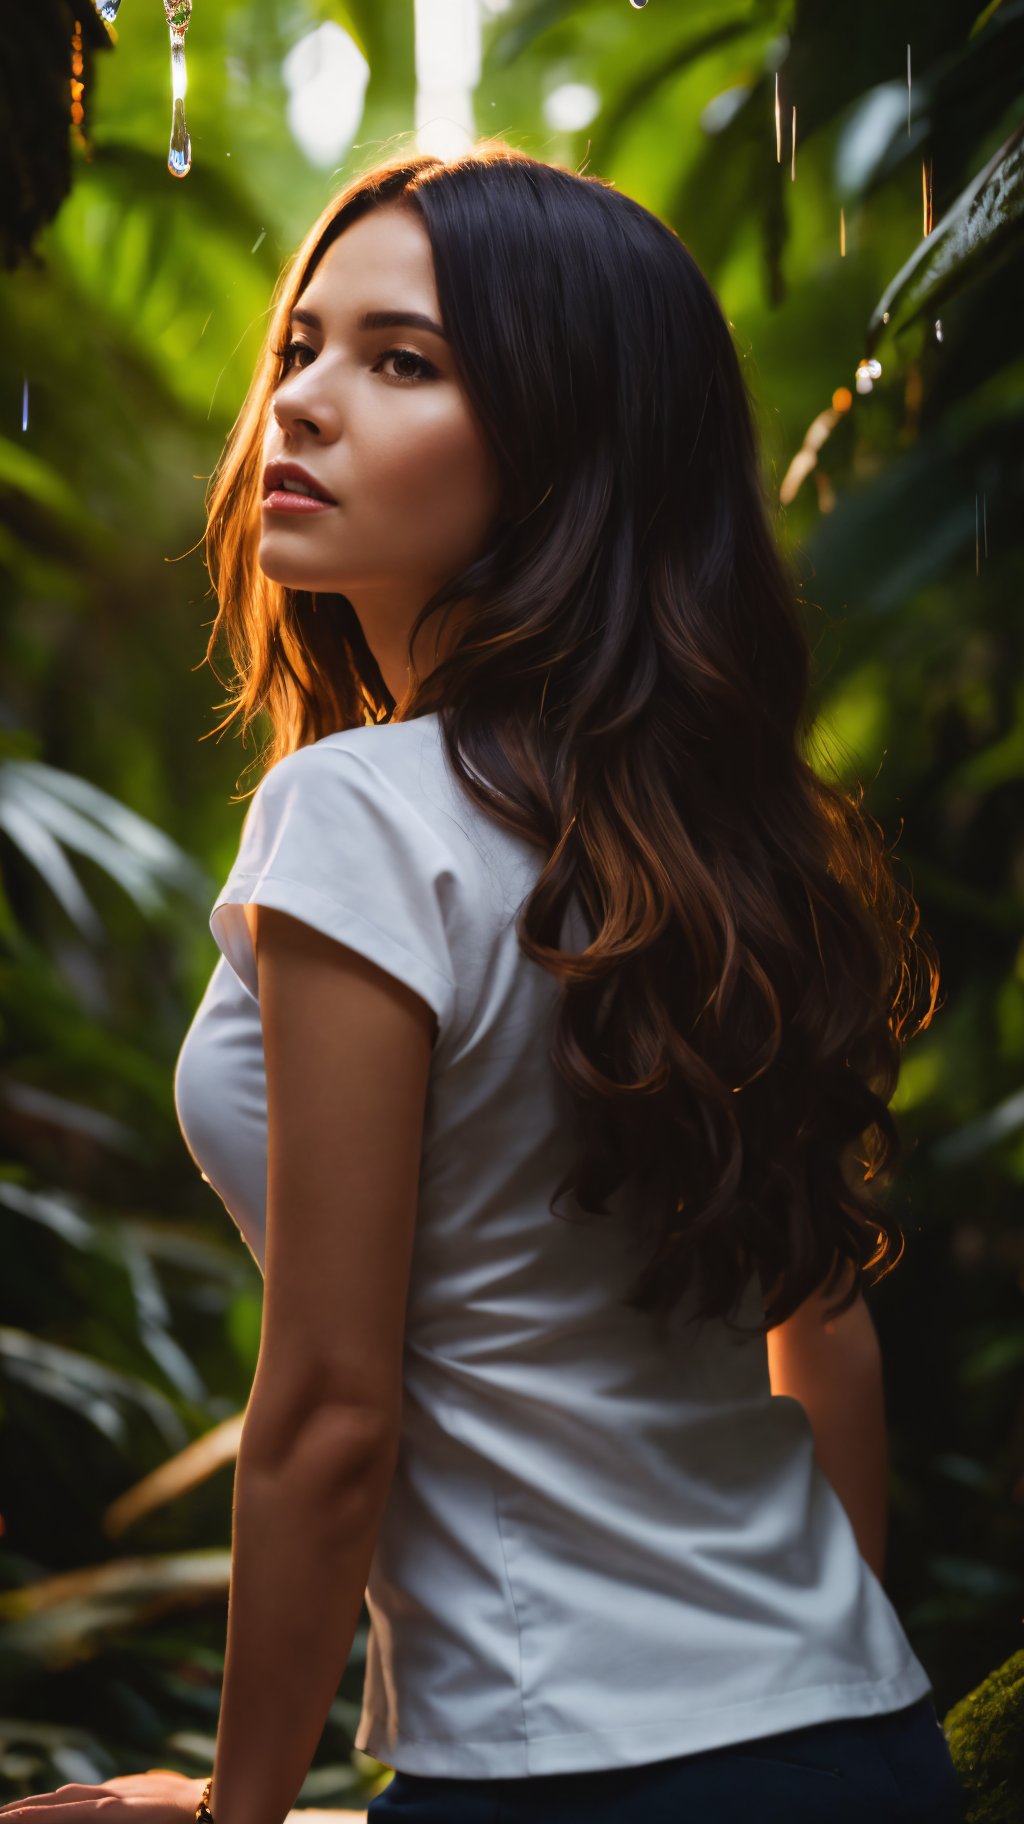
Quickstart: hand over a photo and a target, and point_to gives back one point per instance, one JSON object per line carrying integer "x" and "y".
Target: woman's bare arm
{"x": 834, "y": 1369}
{"x": 347, "y": 1049}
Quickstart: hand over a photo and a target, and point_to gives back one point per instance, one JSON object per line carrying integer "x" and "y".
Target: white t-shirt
{"x": 599, "y": 1549}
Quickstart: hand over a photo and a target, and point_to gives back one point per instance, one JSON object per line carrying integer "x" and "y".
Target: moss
{"x": 985, "y": 1732}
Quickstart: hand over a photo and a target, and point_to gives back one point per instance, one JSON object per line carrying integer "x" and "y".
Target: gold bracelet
{"x": 203, "y": 1813}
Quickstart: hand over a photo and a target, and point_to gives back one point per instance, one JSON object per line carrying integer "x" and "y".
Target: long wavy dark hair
{"x": 630, "y": 694}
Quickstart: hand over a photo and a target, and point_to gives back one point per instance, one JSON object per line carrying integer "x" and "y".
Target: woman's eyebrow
{"x": 377, "y": 319}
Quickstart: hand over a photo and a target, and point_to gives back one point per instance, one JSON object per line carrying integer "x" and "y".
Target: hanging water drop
{"x": 179, "y": 157}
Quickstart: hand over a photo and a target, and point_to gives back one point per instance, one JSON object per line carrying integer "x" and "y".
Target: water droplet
{"x": 885, "y": 316}
{"x": 867, "y": 373}
{"x": 24, "y": 407}
{"x": 938, "y": 329}
{"x": 637, "y": 4}
{"x": 179, "y": 156}
{"x": 107, "y": 9}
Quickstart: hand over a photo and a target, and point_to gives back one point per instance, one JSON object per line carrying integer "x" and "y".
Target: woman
{"x": 547, "y": 1058}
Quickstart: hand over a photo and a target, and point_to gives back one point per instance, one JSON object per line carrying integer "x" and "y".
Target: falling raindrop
{"x": 976, "y": 535}
{"x": 938, "y": 329}
{"x": 179, "y": 157}
{"x": 77, "y": 88}
{"x": 24, "y": 407}
{"x": 107, "y": 9}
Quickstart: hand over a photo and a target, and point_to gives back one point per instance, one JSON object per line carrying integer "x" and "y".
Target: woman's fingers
{"x": 75, "y": 1804}
{"x": 64, "y": 1795}
{"x": 167, "y": 1796}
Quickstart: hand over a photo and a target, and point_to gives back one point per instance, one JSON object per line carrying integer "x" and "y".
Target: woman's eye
{"x": 424, "y": 369}
{"x": 289, "y": 350}
{"x": 407, "y": 354}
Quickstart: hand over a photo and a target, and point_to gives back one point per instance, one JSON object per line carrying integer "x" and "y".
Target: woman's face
{"x": 391, "y": 438}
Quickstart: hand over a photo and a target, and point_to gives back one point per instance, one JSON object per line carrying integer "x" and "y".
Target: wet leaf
{"x": 975, "y": 232}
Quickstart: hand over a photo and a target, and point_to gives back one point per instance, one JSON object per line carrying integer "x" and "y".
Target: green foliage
{"x": 130, "y": 1315}
{"x": 985, "y": 1732}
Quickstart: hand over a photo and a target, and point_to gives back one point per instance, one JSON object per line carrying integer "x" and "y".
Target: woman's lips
{"x": 282, "y": 500}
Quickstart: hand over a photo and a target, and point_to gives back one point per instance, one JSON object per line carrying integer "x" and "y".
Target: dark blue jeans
{"x": 891, "y": 1769}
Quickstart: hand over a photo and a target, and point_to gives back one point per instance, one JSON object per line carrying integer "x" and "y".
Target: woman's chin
{"x": 277, "y": 569}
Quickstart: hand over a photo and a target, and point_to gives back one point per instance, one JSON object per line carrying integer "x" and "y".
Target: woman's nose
{"x": 302, "y": 400}
{"x": 292, "y": 410}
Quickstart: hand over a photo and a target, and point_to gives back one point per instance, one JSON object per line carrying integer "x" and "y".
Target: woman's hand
{"x": 156, "y": 1797}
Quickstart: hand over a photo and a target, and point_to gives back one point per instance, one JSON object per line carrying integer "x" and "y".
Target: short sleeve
{"x": 330, "y": 839}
